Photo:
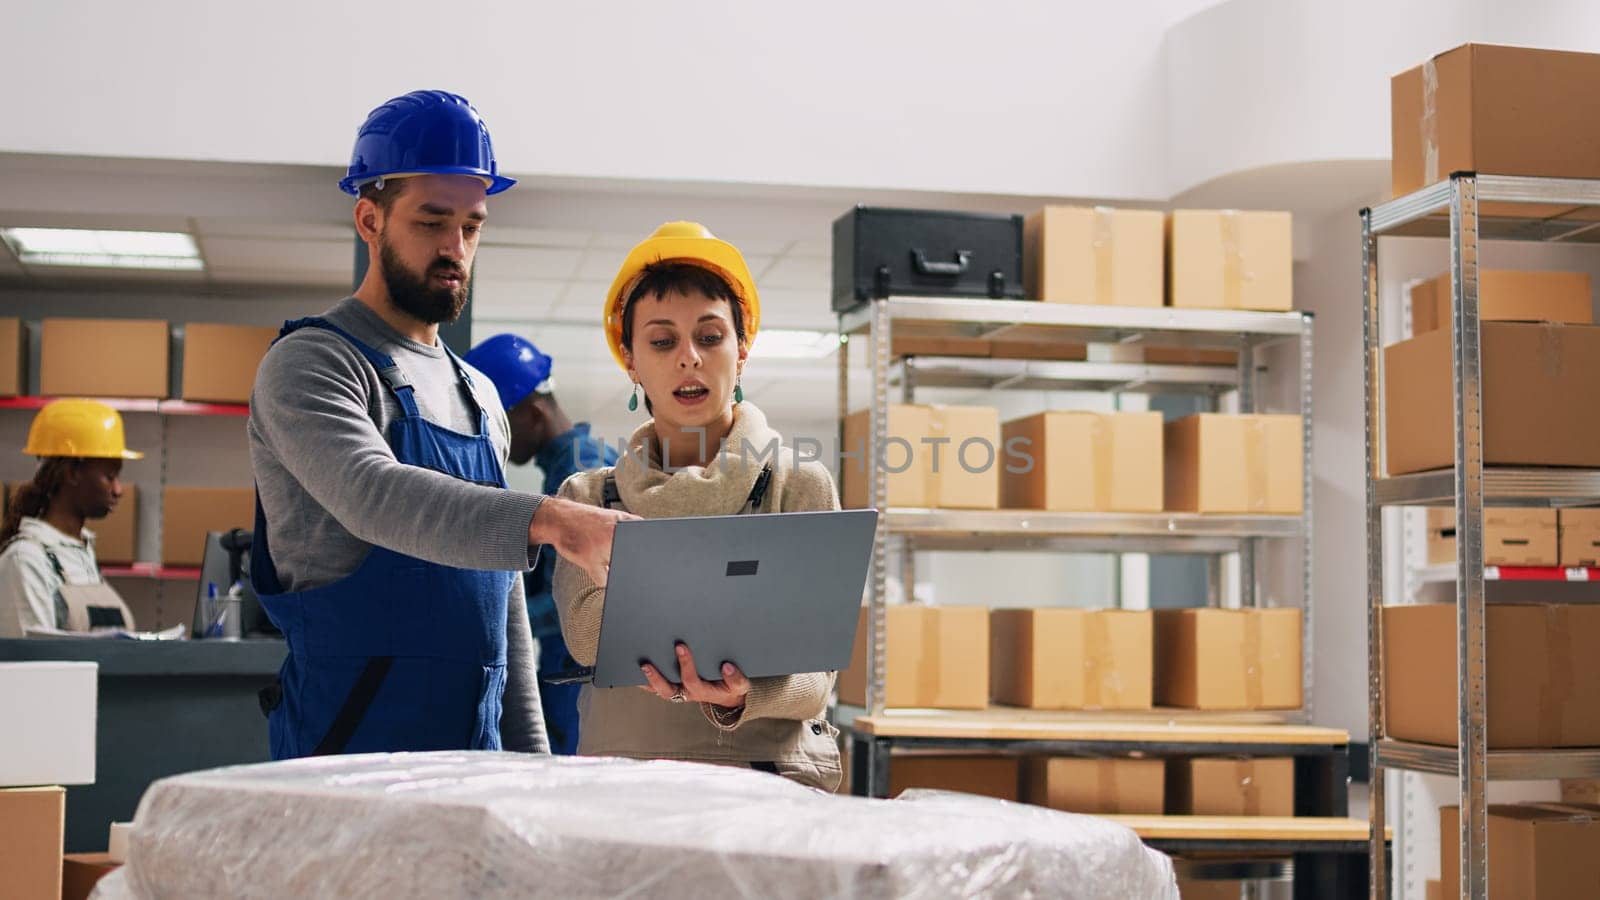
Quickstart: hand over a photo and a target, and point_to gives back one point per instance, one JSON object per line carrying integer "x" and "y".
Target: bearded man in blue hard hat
{"x": 387, "y": 546}
{"x": 542, "y": 432}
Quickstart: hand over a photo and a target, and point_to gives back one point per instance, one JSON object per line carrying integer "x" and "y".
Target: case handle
{"x": 925, "y": 266}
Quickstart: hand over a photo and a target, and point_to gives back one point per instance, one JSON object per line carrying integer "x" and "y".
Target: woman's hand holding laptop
{"x": 728, "y": 693}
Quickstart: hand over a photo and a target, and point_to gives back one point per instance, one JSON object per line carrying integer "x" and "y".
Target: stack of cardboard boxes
{"x": 1522, "y": 537}
{"x": 1505, "y": 111}
{"x": 49, "y": 713}
{"x": 1197, "y": 259}
{"x": 963, "y": 457}
{"x": 962, "y": 657}
{"x": 1537, "y": 851}
{"x": 129, "y": 358}
{"x": 1111, "y": 786}
{"x": 1541, "y": 361}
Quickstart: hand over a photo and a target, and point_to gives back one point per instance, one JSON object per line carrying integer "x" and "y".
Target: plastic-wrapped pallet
{"x": 508, "y": 825}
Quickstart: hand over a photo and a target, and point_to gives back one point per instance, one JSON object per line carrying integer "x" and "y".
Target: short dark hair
{"x": 675, "y": 277}
{"x": 385, "y": 195}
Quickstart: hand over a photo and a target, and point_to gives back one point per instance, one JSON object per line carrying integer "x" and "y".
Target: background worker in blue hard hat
{"x": 387, "y": 547}
{"x": 543, "y": 433}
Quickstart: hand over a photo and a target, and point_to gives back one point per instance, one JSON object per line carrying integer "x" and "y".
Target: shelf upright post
{"x": 1308, "y": 632}
{"x": 877, "y": 623}
{"x": 908, "y": 558}
{"x": 1378, "y": 879}
{"x": 1472, "y": 738}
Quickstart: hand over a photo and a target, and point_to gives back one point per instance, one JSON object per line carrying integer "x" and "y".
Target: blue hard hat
{"x": 514, "y": 364}
{"x": 423, "y": 133}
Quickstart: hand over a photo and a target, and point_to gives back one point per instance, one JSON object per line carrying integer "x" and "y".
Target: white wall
{"x": 1015, "y": 96}
{"x": 1074, "y": 99}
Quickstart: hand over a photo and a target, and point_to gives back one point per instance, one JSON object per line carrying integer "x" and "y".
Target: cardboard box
{"x": 1511, "y": 536}
{"x": 1218, "y": 463}
{"x": 1104, "y": 787}
{"x": 1536, "y": 379}
{"x": 1231, "y": 787}
{"x": 1500, "y": 110}
{"x": 1542, "y": 669}
{"x": 1083, "y": 462}
{"x": 1209, "y": 890}
{"x": 937, "y": 657}
{"x": 1046, "y": 351}
{"x": 988, "y": 776}
{"x": 117, "y": 535}
{"x": 937, "y": 346}
{"x": 104, "y": 358}
{"x": 220, "y": 361}
{"x": 1230, "y": 259}
{"x": 1072, "y": 658}
{"x": 1184, "y": 356}
{"x": 1536, "y": 852}
{"x": 930, "y": 457}
{"x": 1579, "y": 531}
{"x": 187, "y": 513}
{"x": 80, "y": 872}
{"x": 49, "y": 713}
{"x": 1099, "y": 255}
{"x": 33, "y": 823}
{"x": 1507, "y": 296}
{"x": 13, "y": 358}
{"x": 1580, "y": 790}
{"x": 1228, "y": 658}
{"x": 973, "y": 435}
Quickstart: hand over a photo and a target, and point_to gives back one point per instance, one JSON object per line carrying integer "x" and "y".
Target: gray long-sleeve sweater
{"x": 331, "y": 488}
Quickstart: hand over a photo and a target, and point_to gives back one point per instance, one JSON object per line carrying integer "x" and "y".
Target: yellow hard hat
{"x": 81, "y": 429}
{"x": 688, "y": 242}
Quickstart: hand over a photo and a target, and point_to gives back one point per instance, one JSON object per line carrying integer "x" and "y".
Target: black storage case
{"x": 880, "y": 252}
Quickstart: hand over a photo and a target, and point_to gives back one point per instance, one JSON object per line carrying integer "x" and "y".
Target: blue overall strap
{"x": 398, "y": 384}
{"x": 263, "y": 574}
{"x": 466, "y": 379}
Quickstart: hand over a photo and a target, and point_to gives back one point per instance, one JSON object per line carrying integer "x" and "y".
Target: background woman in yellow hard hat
{"x": 48, "y": 552}
{"x": 681, "y": 318}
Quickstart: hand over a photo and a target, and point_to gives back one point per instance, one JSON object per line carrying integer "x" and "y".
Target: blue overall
{"x": 402, "y": 654}
{"x": 566, "y": 454}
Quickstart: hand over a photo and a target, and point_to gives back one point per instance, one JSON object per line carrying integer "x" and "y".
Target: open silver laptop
{"x": 773, "y": 593}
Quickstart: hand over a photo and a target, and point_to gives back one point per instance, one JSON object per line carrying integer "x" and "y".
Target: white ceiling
{"x": 549, "y": 253}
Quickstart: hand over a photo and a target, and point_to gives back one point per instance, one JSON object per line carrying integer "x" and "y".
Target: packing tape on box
{"x": 1430, "y": 123}
{"x": 1104, "y": 235}
{"x": 938, "y": 427}
{"x": 929, "y": 671}
{"x": 1098, "y": 664}
{"x": 1101, "y": 438}
{"x": 1256, "y": 456}
{"x": 1559, "y": 714}
{"x": 1244, "y": 772}
{"x": 1551, "y": 358}
{"x": 1233, "y": 271}
{"x": 1252, "y": 658}
{"x": 1105, "y": 788}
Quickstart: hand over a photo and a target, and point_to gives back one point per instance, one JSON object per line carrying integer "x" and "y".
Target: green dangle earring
{"x": 633, "y": 401}
{"x": 738, "y": 391}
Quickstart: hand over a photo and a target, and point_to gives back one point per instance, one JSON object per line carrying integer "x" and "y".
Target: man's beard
{"x": 414, "y": 296}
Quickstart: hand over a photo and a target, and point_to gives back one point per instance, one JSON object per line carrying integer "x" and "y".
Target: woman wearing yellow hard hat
{"x": 49, "y": 578}
{"x": 680, "y": 319}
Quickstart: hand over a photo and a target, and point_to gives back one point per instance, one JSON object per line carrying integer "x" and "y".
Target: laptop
{"x": 773, "y": 593}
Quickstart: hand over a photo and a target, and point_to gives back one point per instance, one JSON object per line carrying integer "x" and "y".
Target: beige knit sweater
{"x": 782, "y": 720}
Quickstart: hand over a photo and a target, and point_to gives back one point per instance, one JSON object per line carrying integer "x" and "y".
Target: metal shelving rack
{"x": 999, "y": 321}
{"x": 1450, "y": 209}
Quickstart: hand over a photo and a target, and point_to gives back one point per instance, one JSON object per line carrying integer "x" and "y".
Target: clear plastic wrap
{"x": 510, "y": 825}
